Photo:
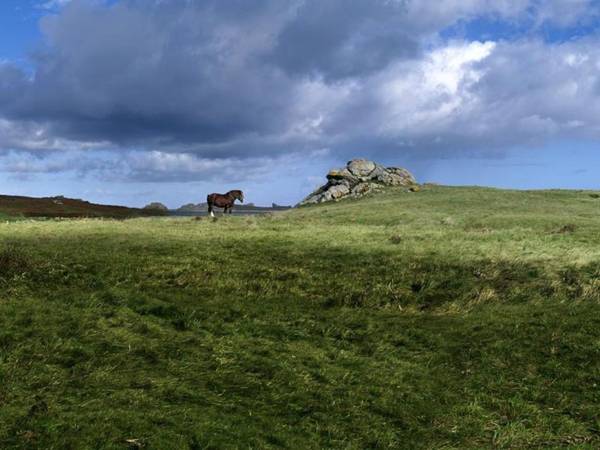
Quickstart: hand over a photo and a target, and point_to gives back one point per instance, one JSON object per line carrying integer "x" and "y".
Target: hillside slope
{"x": 447, "y": 318}
{"x": 11, "y": 205}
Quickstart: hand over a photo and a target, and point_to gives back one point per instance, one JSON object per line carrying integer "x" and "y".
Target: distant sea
{"x": 218, "y": 212}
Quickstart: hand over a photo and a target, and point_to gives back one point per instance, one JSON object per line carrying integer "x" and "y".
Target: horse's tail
{"x": 210, "y": 201}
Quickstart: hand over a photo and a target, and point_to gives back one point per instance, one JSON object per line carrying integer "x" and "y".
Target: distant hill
{"x": 191, "y": 207}
{"x": 67, "y": 207}
{"x": 156, "y": 206}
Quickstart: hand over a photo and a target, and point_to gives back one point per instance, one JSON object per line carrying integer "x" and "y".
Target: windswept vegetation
{"x": 17, "y": 206}
{"x": 447, "y": 318}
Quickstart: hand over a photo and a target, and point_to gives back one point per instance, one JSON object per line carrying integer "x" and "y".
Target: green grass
{"x": 448, "y": 318}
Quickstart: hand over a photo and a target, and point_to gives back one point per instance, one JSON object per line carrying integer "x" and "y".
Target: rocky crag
{"x": 360, "y": 177}
{"x": 156, "y": 206}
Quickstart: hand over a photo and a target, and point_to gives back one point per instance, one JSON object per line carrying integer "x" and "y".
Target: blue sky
{"x": 133, "y": 101}
{"x": 19, "y": 25}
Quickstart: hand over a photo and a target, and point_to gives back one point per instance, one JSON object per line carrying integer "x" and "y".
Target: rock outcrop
{"x": 156, "y": 206}
{"x": 358, "y": 178}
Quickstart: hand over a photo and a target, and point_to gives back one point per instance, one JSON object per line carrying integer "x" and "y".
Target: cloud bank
{"x": 184, "y": 89}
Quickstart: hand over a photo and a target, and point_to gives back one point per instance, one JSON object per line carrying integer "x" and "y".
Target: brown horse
{"x": 224, "y": 201}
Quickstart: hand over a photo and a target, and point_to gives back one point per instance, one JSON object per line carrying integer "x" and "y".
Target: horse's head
{"x": 238, "y": 195}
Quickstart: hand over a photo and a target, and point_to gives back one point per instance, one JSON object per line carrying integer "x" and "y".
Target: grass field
{"x": 447, "y": 318}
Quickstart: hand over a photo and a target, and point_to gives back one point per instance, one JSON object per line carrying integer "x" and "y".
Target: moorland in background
{"x": 59, "y": 206}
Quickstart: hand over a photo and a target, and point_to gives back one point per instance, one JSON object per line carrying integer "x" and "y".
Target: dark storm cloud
{"x": 185, "y": 72}
{"x": 136, "y": 73}
{"x": 344, "y": 38}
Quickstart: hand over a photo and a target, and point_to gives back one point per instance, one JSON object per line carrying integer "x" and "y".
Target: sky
{"x": 134, "y": 101}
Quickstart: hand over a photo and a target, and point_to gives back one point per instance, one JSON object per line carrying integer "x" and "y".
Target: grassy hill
{"x": 12, "y": 206}
{"x": 448, "y": 318}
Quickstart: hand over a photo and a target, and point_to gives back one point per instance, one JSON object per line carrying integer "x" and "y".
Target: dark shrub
{"x": 13, "y": 261}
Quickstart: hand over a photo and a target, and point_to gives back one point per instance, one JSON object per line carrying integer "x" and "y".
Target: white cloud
{"x": 566, "y": 13}
{"x": 31, "y": 136}
{"x": 53, "y": 4}
{"x": 424, "y": 97}
{"x": 463, "y": 96}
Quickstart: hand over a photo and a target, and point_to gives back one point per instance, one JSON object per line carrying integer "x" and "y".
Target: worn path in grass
{"x": 447, "y": 318}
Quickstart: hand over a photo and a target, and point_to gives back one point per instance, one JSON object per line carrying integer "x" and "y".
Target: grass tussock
{"x": 568, "y": 228}
{"x": 396, "y": 239}
{"x": 444, "y": 318}
{"x": 14, "y": 261}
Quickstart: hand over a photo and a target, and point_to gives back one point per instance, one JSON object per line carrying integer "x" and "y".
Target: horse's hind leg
{"x": 210, "y": 210}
